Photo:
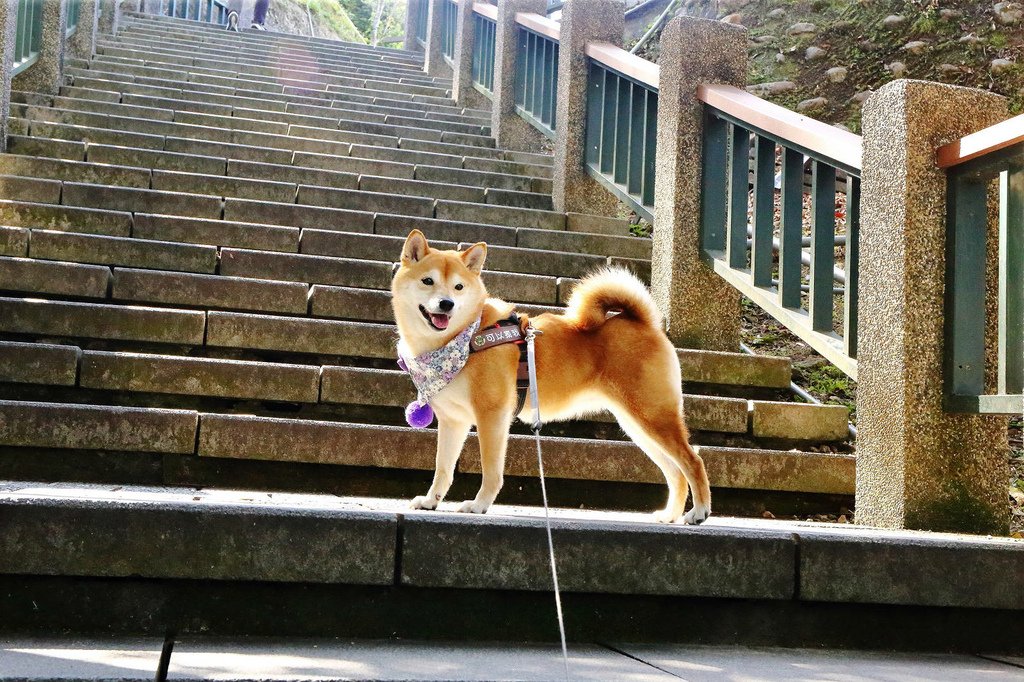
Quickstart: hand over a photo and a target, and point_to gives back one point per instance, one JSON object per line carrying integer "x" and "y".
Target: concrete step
{"x": 87, "y": 554}
{"x": 240, "y": 50}
{"x": 252, "y": 145}
{"x": 239, "y": 53}
{"x": 255, "y": 438}
{"x": 129, "y": 372}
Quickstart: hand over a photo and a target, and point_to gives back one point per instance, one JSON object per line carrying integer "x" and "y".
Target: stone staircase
{"x": 198, "y": 236}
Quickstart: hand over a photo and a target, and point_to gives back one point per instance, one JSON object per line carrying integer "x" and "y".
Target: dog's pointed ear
{"x": 475, "y": 256}
{"x": 415, "y": 248}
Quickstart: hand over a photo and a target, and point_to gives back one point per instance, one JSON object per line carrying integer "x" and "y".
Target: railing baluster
{"x": 852, "y": 265}
{"x": 608, "y": 123}
{"x": 622, "y": 113}
{"x": 761, "y": 258}
{"x": 595, "y": 100}
{"x": 714, "y": 179}
{"x": 638, "y": 119}
{"x": 791, "y": 228}
{"x": 650, "y": 148}
{"x": 823, "y": 230}
{"x": 969, "y": 214}
{"x": 739, "y": 182}
{"x": 1011, "y": 281}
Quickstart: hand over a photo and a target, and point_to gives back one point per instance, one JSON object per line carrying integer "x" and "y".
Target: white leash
{"x": 531, "y": 364}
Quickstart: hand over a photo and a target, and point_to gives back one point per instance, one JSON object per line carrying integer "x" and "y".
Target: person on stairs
{"x": 259, "y": 15}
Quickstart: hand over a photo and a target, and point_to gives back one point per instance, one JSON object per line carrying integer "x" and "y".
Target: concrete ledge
{"x": 102, "y": 321}
{"x": 197, "y": 535}
{"x": 511, "y": 554}
{"x": 913, "y": 568}
{"x": 46, "y": 277}
{"x": 212, "y": 291}
{"x": 125, "y": 531}
{"x": 95, "y": 427}
{"x": 38, "y": 363}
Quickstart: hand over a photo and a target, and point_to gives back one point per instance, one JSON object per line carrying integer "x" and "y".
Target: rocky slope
{"x": 825, "y": 56}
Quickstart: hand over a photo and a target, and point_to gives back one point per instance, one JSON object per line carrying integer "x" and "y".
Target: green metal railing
{"x": 621, "y": 135}
{"x": 74, "y": 12}
{"x": 28, "y": 34}
{"x": 486, "y": 32}
{"x": 449, "y": 28}
{"x": 422, "y": 14}
{"x": 537, "y": 79}
{"x": 746, "y": 170}
{"x": 969, "y": 186}
{"x": 209, "y": 11}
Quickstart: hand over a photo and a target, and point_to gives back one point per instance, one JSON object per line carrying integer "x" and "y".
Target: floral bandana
{"x": 435, "y": 369}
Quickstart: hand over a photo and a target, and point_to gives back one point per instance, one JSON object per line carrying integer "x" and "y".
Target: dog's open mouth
{"x": 438, "y": 321}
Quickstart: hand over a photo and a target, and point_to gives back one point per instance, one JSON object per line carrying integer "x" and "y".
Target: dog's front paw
{"x": 423, "y": 502}
{"x": 665, "y": 516}
{"x": 696, "y": 516}
{"x": 473, "y": 507}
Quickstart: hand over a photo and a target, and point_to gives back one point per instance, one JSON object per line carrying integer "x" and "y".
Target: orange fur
{"x": 607, "y": 351}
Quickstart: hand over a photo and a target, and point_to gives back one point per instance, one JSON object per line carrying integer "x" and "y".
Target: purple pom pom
{"x": 401, "y": 363}
{"x": 419, "y": 415}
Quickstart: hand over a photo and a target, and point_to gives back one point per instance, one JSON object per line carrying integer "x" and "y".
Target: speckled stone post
{"x": 574, "y": 190}
{"x": 84, "y": 40}
{"x": 45, "y": 74}
{"x": 412, "y": 9}
{"x": 917, "y": 466}
{"x": 463, "y": 91}
{"x": 700, "y": 308}
{"x": 110, "y": 17}
{"x": 8, "y": 23}
{"x": 509, "y": 128}
{"x": 433, "y": 61}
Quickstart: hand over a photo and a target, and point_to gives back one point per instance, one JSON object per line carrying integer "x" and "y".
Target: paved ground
{"x": 137, "y": 659}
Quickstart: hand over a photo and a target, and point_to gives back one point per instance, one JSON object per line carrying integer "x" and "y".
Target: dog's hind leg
{"x": 492, "y": 432}
{"x": 663, "y": 436}
{"x": 451, "y": 435}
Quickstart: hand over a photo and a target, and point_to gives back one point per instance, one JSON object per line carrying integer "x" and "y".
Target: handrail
{"x": 982, "y": 143}
{"x": 834, "y": 144}
{"x": 485, "y": 10}
{"x": 538, "y": 24}
{"x": 620, "y": 60}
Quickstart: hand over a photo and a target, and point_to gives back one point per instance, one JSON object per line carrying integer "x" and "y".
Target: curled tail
{"x": 611, "y": 290}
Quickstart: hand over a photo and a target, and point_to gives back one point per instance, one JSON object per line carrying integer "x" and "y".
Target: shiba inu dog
{"x": 607, "y": 351}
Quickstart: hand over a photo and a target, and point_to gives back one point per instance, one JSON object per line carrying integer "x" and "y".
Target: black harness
{"x": 501, "y": 332}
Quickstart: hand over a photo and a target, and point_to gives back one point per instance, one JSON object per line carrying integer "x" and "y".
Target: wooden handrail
{"x": 622, "y": 61}
{"x": 539, "y": 24}
{"x": 999, "y": 136}
{"x": 830, "y": 142}
{"x": 486, "y": 10}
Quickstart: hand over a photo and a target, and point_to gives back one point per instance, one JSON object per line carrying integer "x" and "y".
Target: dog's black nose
{"x": 446, "y": 304}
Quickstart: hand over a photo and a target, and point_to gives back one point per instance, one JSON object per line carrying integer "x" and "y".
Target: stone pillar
{"x": 701, "y": 310}
{"x": 463, "y": 91}
{"x": 110, "y": 17}
{"x": 45, "y": 74}
{"x": 412, "y": 10}
{"x": 573, "y": 189}
{"x": 433, "y": 61}
{"x": 83, "y": 42}
{"x": 509, "y": 128}
{"x": 918, "y": 466}
{"x": 8, "y": 23}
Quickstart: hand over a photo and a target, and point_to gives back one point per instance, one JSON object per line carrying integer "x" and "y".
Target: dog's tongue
{"x": 439, "y": 320}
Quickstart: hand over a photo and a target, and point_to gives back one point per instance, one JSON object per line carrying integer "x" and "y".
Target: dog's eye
{"x": 458, "y": 287}
{"x": 428, "y": 281}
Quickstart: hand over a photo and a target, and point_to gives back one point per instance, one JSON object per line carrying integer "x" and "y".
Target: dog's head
{"x": 436, "y": 294}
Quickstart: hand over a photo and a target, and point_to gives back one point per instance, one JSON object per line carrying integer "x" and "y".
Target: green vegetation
{"x": 348, "y": 20}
